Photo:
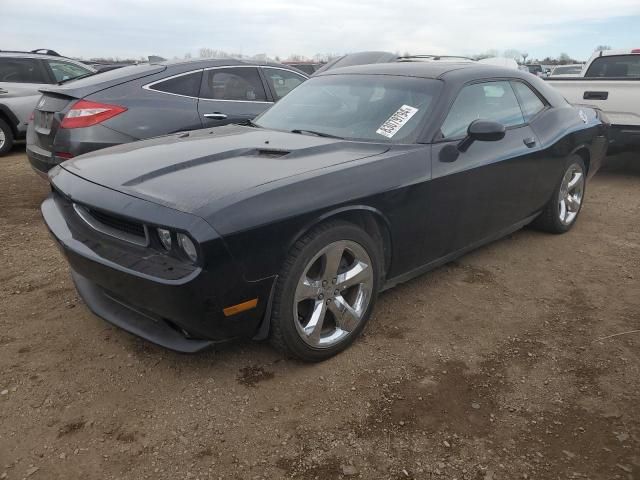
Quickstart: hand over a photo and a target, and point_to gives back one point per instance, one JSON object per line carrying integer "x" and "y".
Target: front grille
{"x": 118, "y": 223}
{"x": 113, "y": 225}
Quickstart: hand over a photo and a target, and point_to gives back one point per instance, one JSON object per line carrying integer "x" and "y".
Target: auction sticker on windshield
{"x": 396, "y": 121}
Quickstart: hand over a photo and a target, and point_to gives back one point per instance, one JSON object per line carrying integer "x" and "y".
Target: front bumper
{"x": 144, "y": 291}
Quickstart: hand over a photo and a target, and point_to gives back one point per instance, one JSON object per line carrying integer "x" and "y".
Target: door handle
{"x": 529, "y": 142}
{"x": 215, "y": 116}
{"x": 595, "y": 95}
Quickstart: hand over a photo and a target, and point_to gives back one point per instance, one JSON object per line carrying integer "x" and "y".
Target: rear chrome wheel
{"x": 326, "y": 290}
{"x": 333, "y": 294}
{"x": 562, "y": 210}
{"x": 570, "y": 195}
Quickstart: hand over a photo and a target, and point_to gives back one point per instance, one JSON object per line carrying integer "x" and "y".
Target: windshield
{"x": 381, "y": 108}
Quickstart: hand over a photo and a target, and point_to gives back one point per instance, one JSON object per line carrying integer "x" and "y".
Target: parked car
{"x": 537, "y": 70}
{"x": 22, "y": 74}
{"x": 610, "y": 81}
{"x": 573, "y": 70}
{"x": 151, "y": 99}
{"x": 359, "y": 179}
{"x": 307, "y": 67}
{"x": 368, "y": 58}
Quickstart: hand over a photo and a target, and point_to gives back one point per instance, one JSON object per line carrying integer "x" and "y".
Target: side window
{"x": 66, "y": 71}
{"x": 615, "y": 66}
{"x": 487, "y": 101}
{"x": 233, "y": 83}
{"x": 282, "y": 81}
{"x": 21, "y": 70}
{"x": 187, "y": 85}
{"x": 529, "y": 101}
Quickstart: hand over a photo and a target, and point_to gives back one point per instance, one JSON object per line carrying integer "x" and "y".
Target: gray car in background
{"x": 148, "y": 100}
{"x": 22, "y": 75}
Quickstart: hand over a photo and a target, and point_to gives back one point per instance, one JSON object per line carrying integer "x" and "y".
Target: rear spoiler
{"x": 95, "y": 83}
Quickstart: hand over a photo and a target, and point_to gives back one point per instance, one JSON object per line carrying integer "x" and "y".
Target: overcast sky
{"x": 135, "y": 28}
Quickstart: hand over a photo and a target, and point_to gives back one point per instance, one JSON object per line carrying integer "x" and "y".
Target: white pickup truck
{"x": 610, "y": 81}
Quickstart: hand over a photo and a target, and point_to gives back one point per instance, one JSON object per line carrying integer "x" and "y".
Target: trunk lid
{"x": 191, "y": 170}
{"x": 56, "y": 100}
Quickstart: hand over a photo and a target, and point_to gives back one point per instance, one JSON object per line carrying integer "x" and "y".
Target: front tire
{"x": 562, "y": 211}
{"x": 6, "y": 138}
{"x": 326, "y": 291}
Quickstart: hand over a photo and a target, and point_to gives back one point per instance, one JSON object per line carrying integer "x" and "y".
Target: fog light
{"x": 187, "y": 246}
{"x": 165, "y": 238}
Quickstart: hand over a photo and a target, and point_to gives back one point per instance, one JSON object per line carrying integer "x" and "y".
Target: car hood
{"x": 187, "y": 171}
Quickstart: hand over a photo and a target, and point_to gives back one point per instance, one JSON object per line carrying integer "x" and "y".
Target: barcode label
{"x": 396, "y": 121}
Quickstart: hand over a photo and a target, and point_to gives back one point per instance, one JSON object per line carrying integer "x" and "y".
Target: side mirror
{"x": 483, "y": 131}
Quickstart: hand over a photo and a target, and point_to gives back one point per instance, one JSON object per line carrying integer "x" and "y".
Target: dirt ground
{"x": 502, "y": 365}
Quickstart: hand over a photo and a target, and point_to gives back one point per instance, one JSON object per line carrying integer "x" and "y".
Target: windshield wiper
{"x": 317, "y": 134}
{"x": 84, "y": 75}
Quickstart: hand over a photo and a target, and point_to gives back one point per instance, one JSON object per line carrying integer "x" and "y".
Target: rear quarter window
{"x": 620, "y": 66}
{"x": 63, "y": 71}
{"x": 187, "y": 85}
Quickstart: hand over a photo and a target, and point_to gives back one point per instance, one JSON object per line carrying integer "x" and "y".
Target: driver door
{"x": 487, "y": 188}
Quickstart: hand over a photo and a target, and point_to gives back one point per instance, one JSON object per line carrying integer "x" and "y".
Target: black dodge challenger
{"x": 289, "y": 226}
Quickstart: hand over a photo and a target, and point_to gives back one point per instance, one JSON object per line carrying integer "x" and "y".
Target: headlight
{"x": 187, "y": 247}
{"x": 165, "y": 238}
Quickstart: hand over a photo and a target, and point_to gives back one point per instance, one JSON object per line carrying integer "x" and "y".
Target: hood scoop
{"x": 271, "y": 153}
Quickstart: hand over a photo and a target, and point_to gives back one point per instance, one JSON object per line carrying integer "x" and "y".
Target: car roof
{"x": 215, "y": 62}
{"x": 6, "y": 53}
{"x": 434, "y": 70}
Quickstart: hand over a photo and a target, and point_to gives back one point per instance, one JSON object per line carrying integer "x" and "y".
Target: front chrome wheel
{"x": 3, "y": 138}
{"x": 571, "y": 194}
{"x": 333, "y": 294}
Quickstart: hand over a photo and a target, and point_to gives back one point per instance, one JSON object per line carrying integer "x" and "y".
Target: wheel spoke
{"x": 572, "y": 203}
{"x": 346, "y": 317}
{"x": 308, "y": 289}
{"x": 314, "y": 327}
{"x": 332, "y": 262}
{"x": 577, "y": 178}
{"x": 563, "y": 209}
{"x": 358, "y": 273}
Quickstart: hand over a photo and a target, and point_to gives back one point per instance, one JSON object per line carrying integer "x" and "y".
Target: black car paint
{"x": 150, "y": 113}
{"x": 254, "y": 192}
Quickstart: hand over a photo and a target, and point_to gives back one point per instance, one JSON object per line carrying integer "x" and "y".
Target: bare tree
{"x": 512, "y": 53}
{"x": 206, "y": 52}
{"x": 564, "y": 58}
{"x": 524, "y": 57}
{"x": 601, "y": 48}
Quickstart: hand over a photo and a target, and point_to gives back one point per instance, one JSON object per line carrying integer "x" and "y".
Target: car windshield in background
{"x": 380, "y": 108}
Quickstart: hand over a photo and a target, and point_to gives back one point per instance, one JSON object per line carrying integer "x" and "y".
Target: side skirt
{"x": 392, "y": 282}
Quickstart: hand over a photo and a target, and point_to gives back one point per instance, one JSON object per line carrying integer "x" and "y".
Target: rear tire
{"x": 318, "y": 312}
{"x": 562, "y": 210}
{"x": 6, "y": 138}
